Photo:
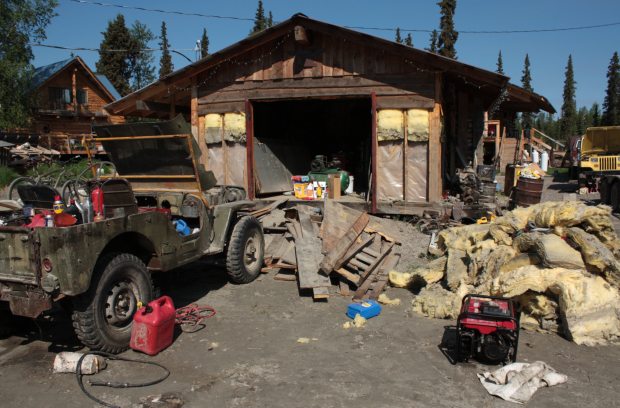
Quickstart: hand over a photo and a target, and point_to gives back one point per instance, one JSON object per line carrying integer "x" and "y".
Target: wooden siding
{"x": 326, "y": 68}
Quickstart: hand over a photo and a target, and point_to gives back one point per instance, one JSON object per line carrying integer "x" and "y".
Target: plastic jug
{"x": 366, "y": 309}
{"x": 182, "y": 228}
{"x": 153, "y": 326}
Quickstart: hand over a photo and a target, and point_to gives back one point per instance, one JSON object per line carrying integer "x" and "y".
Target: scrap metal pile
{"x": 559, "y": 260}
{"x": 342, "y": 245}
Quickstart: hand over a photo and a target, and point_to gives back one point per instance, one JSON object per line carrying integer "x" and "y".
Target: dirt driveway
{"x": 249, "y": 356}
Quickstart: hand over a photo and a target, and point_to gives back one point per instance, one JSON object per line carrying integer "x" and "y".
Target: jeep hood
{"x": 156, "y": 156}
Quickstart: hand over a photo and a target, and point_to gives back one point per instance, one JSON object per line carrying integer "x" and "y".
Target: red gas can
{"x": 153, "y": 326}
{"x": 96, "y": 196}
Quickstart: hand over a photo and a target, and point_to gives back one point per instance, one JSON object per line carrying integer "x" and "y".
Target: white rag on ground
{"x": 517, "y": 382}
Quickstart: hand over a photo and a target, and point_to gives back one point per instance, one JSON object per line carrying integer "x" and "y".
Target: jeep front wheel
{"x": 103, "y": 315}
{"x": 246, "y": 251}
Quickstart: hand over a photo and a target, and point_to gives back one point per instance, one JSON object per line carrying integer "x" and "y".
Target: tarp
{"x": 390, "y": 171}
{"x": 417, "y": 171}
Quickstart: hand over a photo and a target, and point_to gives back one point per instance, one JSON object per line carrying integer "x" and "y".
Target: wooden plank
{"x": 435, "y": 178}
{"x": 366, "y": 278}
{"x": 359, "y": 245}
{"x": 344, "y": 288}
{"x": 333, "y": 259}
{"x": 370, "y": 252}
{"x": 287, "y": 277}
{"x": 351, "y": 277}
{"x": 382, "y": 280}
{"x": 359, "y": 265}
{"x": 365, "y": 258}
{"x": 320, "y": 293}
{"x": 308, "y": 251}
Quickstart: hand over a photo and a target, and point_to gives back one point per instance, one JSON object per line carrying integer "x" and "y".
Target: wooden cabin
{"x": 400, "y": 120}
{"x": 69, "y": 100}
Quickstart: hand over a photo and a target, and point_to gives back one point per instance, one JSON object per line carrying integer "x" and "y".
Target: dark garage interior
{"x": 295, "y": 131}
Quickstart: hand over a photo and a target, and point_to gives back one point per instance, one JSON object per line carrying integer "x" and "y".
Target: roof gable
{"x": 45, "y": 73}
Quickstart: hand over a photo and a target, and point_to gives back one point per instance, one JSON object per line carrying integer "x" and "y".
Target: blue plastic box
{"x": 366, "y": 309}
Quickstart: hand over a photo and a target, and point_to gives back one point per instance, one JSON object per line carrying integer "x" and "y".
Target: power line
{"x": 181, "y": 13}
{"x": 413, "y": 30}
{"x": 61, "y": 47}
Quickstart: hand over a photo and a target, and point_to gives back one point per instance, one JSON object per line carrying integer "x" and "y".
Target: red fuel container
{"x": 153, "y": 326}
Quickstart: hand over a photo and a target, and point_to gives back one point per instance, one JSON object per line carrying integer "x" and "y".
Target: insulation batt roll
{"x": 66, "y": 362}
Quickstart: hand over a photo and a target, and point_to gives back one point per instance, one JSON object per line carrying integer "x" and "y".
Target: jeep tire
{"x": 246, "y": 251}
{"x": 103, "y": 316}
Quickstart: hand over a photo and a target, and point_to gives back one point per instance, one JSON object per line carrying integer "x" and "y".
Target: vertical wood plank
{"x": 435, "y": 181}
{"x": 337, "y": 61}
{"x": 249, "y": 150}
{"x": 194, "y": 108}
{"x": 405, "y": 161}
{"x": 373, "y": 158}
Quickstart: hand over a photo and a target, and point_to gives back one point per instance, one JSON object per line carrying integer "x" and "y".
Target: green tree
{"x": 143, "y": 71}
{"x": 118, "y": 66}
{"x": 270, "y": 20}
{"x": 595, "y": 114}
{"x": 204, "y": 44}
{"x": 165, "y": 62}
{"x": 448, "y": 36}
{"x": 526, "y": 83}
{"x": 611, "y": 104}
{"x": 432, "y": 44}
{"x": 568, "y": 122}
{"x": 409, "y": 40}
{"x": 22, "y": 22}
{"x": 397, "y": 37}
{"x": 583, "y": 120}
{"x": 260, "y": 22}
{"x": 500, "y": 63}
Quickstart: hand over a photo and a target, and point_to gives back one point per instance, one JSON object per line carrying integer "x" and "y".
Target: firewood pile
{"x": 340, "y": 247}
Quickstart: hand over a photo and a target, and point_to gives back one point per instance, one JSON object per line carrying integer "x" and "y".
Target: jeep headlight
{"x": 594, "y": 160}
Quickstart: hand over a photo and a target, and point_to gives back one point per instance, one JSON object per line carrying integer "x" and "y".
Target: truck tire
{"x": 246, "y": 251}
{"x": 102, "y": 316}
{"x": 614, "y": 199}
{"x": 604, "y": 191}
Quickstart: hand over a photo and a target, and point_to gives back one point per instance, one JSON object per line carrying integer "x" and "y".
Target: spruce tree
{"x": 448, "y": 36}
{"x": 204, "y": 44}
{"x": 398, "y": 38}
{"x": 568, "y": 122}
{"x": 21, "y": 23}
{"x": 500, "y": 63}
{"x": 270, "y": 20}
{"x": 142, "y": 70}
{"x": 409, "y": 40}
{"x": 165, "y": 62}
{"x": 595, "y": 114}
{"x": 526, "y": 83}
{"x": 434, "y": 38}
{"x": 117, "y": 66}
{"x": 260, "y": 22}
{"x": 611, "y": 105}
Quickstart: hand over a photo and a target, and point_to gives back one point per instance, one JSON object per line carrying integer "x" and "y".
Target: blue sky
{"x": 80, "y": 25}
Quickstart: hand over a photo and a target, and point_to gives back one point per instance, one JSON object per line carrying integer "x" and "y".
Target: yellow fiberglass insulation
{"x": 431, "y": 273}
{"x": 589, "y": 306}
{"x": 565, "y": 272}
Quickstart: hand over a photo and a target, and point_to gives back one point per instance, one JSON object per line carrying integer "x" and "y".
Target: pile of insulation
{"x": 559, "y": 260}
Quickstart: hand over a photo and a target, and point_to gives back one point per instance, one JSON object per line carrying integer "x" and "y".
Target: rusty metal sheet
{"x": 272, "y": 176}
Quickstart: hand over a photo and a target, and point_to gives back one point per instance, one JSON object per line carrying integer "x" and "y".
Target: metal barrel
{"x": 528, "y": 192}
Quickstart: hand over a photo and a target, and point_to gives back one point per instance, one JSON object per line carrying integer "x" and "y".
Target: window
{"x": 82, "y": 96}
{"x": 59, "y": 97}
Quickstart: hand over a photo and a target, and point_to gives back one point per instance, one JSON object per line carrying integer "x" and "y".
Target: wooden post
{"x": 405, "y": 146}
{"x": 373, "y": 153}
{"x": 74, "y": 90}
{"x": 194, "y": 109}
{"x": 249, "y": 147}
{"x": 224, "y": 151}
{"x": 173, "y": 103}
{"x": 435, "y": 178}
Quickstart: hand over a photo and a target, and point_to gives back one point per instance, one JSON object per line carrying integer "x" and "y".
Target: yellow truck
{"x": 599, "y": 161}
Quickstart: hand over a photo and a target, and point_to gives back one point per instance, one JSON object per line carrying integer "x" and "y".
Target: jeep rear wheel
{"x": 246, "y": 251}
{"x": 103, "y": 315}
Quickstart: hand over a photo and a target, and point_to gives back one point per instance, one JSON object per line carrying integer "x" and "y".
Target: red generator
{"x": 487, "y": 329}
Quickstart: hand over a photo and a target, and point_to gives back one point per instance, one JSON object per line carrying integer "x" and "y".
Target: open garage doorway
{"x": 289, "y": 134}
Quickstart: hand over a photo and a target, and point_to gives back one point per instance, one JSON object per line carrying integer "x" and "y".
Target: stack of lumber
{"x": 340, "y": 246}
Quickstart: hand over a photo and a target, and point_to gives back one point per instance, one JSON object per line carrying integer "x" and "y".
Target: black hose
{"x": 79, "y": 376}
